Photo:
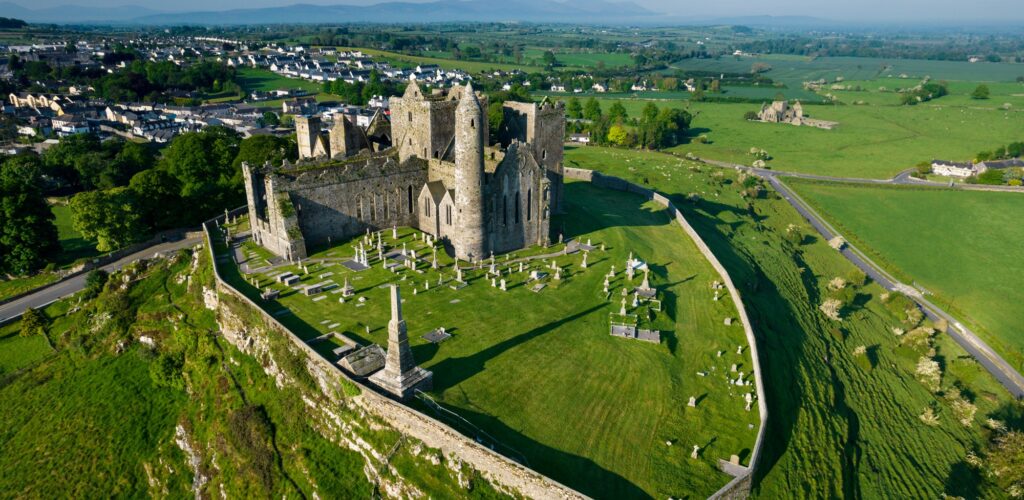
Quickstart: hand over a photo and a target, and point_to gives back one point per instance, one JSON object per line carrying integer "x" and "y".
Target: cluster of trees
{"x": 653, "y": 129}
{"x": 123, "y": 191}
{"x": 10, "y": 23}
{"x": 938, "y": 47}
{"x": 28, "y": 237}
{"x": 138, "y": 80}
{"x": 1011, "y": 150}
{"x": 197, "y": 176}
{"x": 359, "y": 93}
{"x": 923, "y": 93}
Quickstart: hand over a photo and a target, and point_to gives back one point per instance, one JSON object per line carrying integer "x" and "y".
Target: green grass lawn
{"x": 404, "y": 60}
{"x": 73, "y": 245}
{"x": 837, "y": 427}
{"x": 963, "y": 246}
{"x": 252, "y": 79}
{"x": 17, "y": 352}
{"x": 541, "y": 376}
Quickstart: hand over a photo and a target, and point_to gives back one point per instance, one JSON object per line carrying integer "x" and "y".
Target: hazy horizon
{"x": 871, "y": 11}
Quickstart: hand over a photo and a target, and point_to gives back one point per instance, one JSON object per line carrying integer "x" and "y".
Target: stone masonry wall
{"x": 494, "y": 467}
{"x": 740, "y": 486}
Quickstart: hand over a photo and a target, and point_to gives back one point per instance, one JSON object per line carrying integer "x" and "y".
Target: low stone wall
{"x": 495, "y": 467}
{"x": 740, "y": 485}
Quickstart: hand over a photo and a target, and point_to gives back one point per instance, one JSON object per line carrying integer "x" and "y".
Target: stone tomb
{"x": 437, "y": 336}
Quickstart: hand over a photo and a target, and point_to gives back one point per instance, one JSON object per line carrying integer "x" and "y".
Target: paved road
{"x": 993, "y": 362}
{"x": 69, "y": 286}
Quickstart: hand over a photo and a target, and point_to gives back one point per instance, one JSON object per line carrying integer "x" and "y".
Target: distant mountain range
{"x": 592, "y": 11}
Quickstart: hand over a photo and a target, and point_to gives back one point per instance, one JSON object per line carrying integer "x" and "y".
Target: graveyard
{"x": 611, "y": 361}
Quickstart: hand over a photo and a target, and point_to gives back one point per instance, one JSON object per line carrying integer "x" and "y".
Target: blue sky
{"x": 849, "y": 10}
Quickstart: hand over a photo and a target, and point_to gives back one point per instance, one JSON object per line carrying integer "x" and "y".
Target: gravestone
{"x": 692, "y": 403}
{"x": 696, "y": 450}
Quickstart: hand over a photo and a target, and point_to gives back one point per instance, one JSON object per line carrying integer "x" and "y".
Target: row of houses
{"x": 964, "y": 170}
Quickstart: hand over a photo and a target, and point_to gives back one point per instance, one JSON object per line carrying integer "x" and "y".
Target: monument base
{"x": 405, "y": 387}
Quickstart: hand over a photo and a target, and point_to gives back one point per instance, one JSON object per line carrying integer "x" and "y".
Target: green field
{"x": 552, "y": 386}
{"x": 962, "y": 246}
{"x": 258, "y": 79}
{"x": 837, "y": 427}
{"x": 794, "y": 70}
{"x": 870, "y": 141}
{"x": 404, "y": 60}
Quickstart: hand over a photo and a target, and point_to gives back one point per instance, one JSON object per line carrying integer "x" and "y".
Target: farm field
{"x": 837, "y": 426}
{"x": 470, "y": 66}
{"x": 794, "y": 70}
{"x": 870, "y": 141}
{"x": 963, "y": 246}
{"x": 553, "y": 387}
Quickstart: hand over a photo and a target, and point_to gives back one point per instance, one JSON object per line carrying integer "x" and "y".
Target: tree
{"x": 618, "y": 135}
{"x": 28, "y": 236}
{"x": 270, "y": 118}
{"x": 94, "y": 282}
{"x": 1006, "y": 460}
{"x": 750, "y": 115}
{"x": 33, "y": 322}
{"x": 980, "y": 92}
{"x": 110, "y": 217}
{"x": 157, "y": 198}
{"x": 617, "y": 112}
{"x": 592, "y": 110}
{"x": 203, "y": 164}
{"x": 574, "y": 109}
{"x": 549, "y": 58}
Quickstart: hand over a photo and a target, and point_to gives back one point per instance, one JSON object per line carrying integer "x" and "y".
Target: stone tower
{"x": 470, "y": 134}
{"x": 400, "y": 376}
{"x": 307, "y": 131}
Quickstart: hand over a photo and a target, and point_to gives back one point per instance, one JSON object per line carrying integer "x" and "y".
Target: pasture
{"x": 962, "y": 246}
{"x": 794, "y": 70}
{"x": 837, "y": 426}
{"x": 258, "y": 79}
{"x": 537, "y": 375}
{"x": 870, "y": 141}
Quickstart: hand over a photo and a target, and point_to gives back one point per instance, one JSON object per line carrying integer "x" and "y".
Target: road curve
{"x": 60, "y": 289}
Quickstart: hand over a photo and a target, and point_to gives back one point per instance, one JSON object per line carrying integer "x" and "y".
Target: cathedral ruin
{"x": 431, "y": 168}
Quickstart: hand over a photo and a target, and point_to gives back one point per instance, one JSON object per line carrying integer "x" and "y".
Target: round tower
{"x": 470, "y": 130}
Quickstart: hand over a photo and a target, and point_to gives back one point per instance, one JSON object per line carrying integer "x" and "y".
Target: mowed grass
{"x": 17, "y": 352}
{"x": 403, "y": 60}
{"x": 259, "y": 79}
{"x": 538, "y": 375}
{"x": 838, "y": 426}
{"x": 963, "y": 246}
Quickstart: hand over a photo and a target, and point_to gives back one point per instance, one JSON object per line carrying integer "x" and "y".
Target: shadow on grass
{"x": 574, "y": 471}
{"x": 452, "y": 371}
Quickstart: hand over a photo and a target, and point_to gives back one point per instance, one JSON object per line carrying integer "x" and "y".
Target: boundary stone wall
{"x": 740, "y": 486}
{"x": 435, "y": 434}
{"x": 496, "y": 467}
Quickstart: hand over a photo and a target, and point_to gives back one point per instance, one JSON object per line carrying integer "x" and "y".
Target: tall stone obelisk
{"x": 400, "y": 375}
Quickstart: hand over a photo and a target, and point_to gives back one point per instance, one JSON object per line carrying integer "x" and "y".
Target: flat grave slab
{"x": 355, "y": 266}
{"x": 437, "y": 336}
{"x": 318, "y": 299}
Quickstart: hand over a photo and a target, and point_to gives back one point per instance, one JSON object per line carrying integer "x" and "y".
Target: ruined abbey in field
{"x": 431, "y": 168}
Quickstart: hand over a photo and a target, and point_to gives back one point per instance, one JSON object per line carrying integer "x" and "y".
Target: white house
{"x": 952, "y": 169}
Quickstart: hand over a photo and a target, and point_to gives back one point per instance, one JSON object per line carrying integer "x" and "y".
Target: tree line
{"x": 122, "y": 192}
{"x": 654, "y": 129}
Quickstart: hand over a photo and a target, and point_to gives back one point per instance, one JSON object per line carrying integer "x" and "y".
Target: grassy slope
{"x": 590, "y": 410}
{"x": 252, "y": 79}
{"x": 836, "y": 428}
{"x": 962, "y": 246}
{"x": 86, "y": 422}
